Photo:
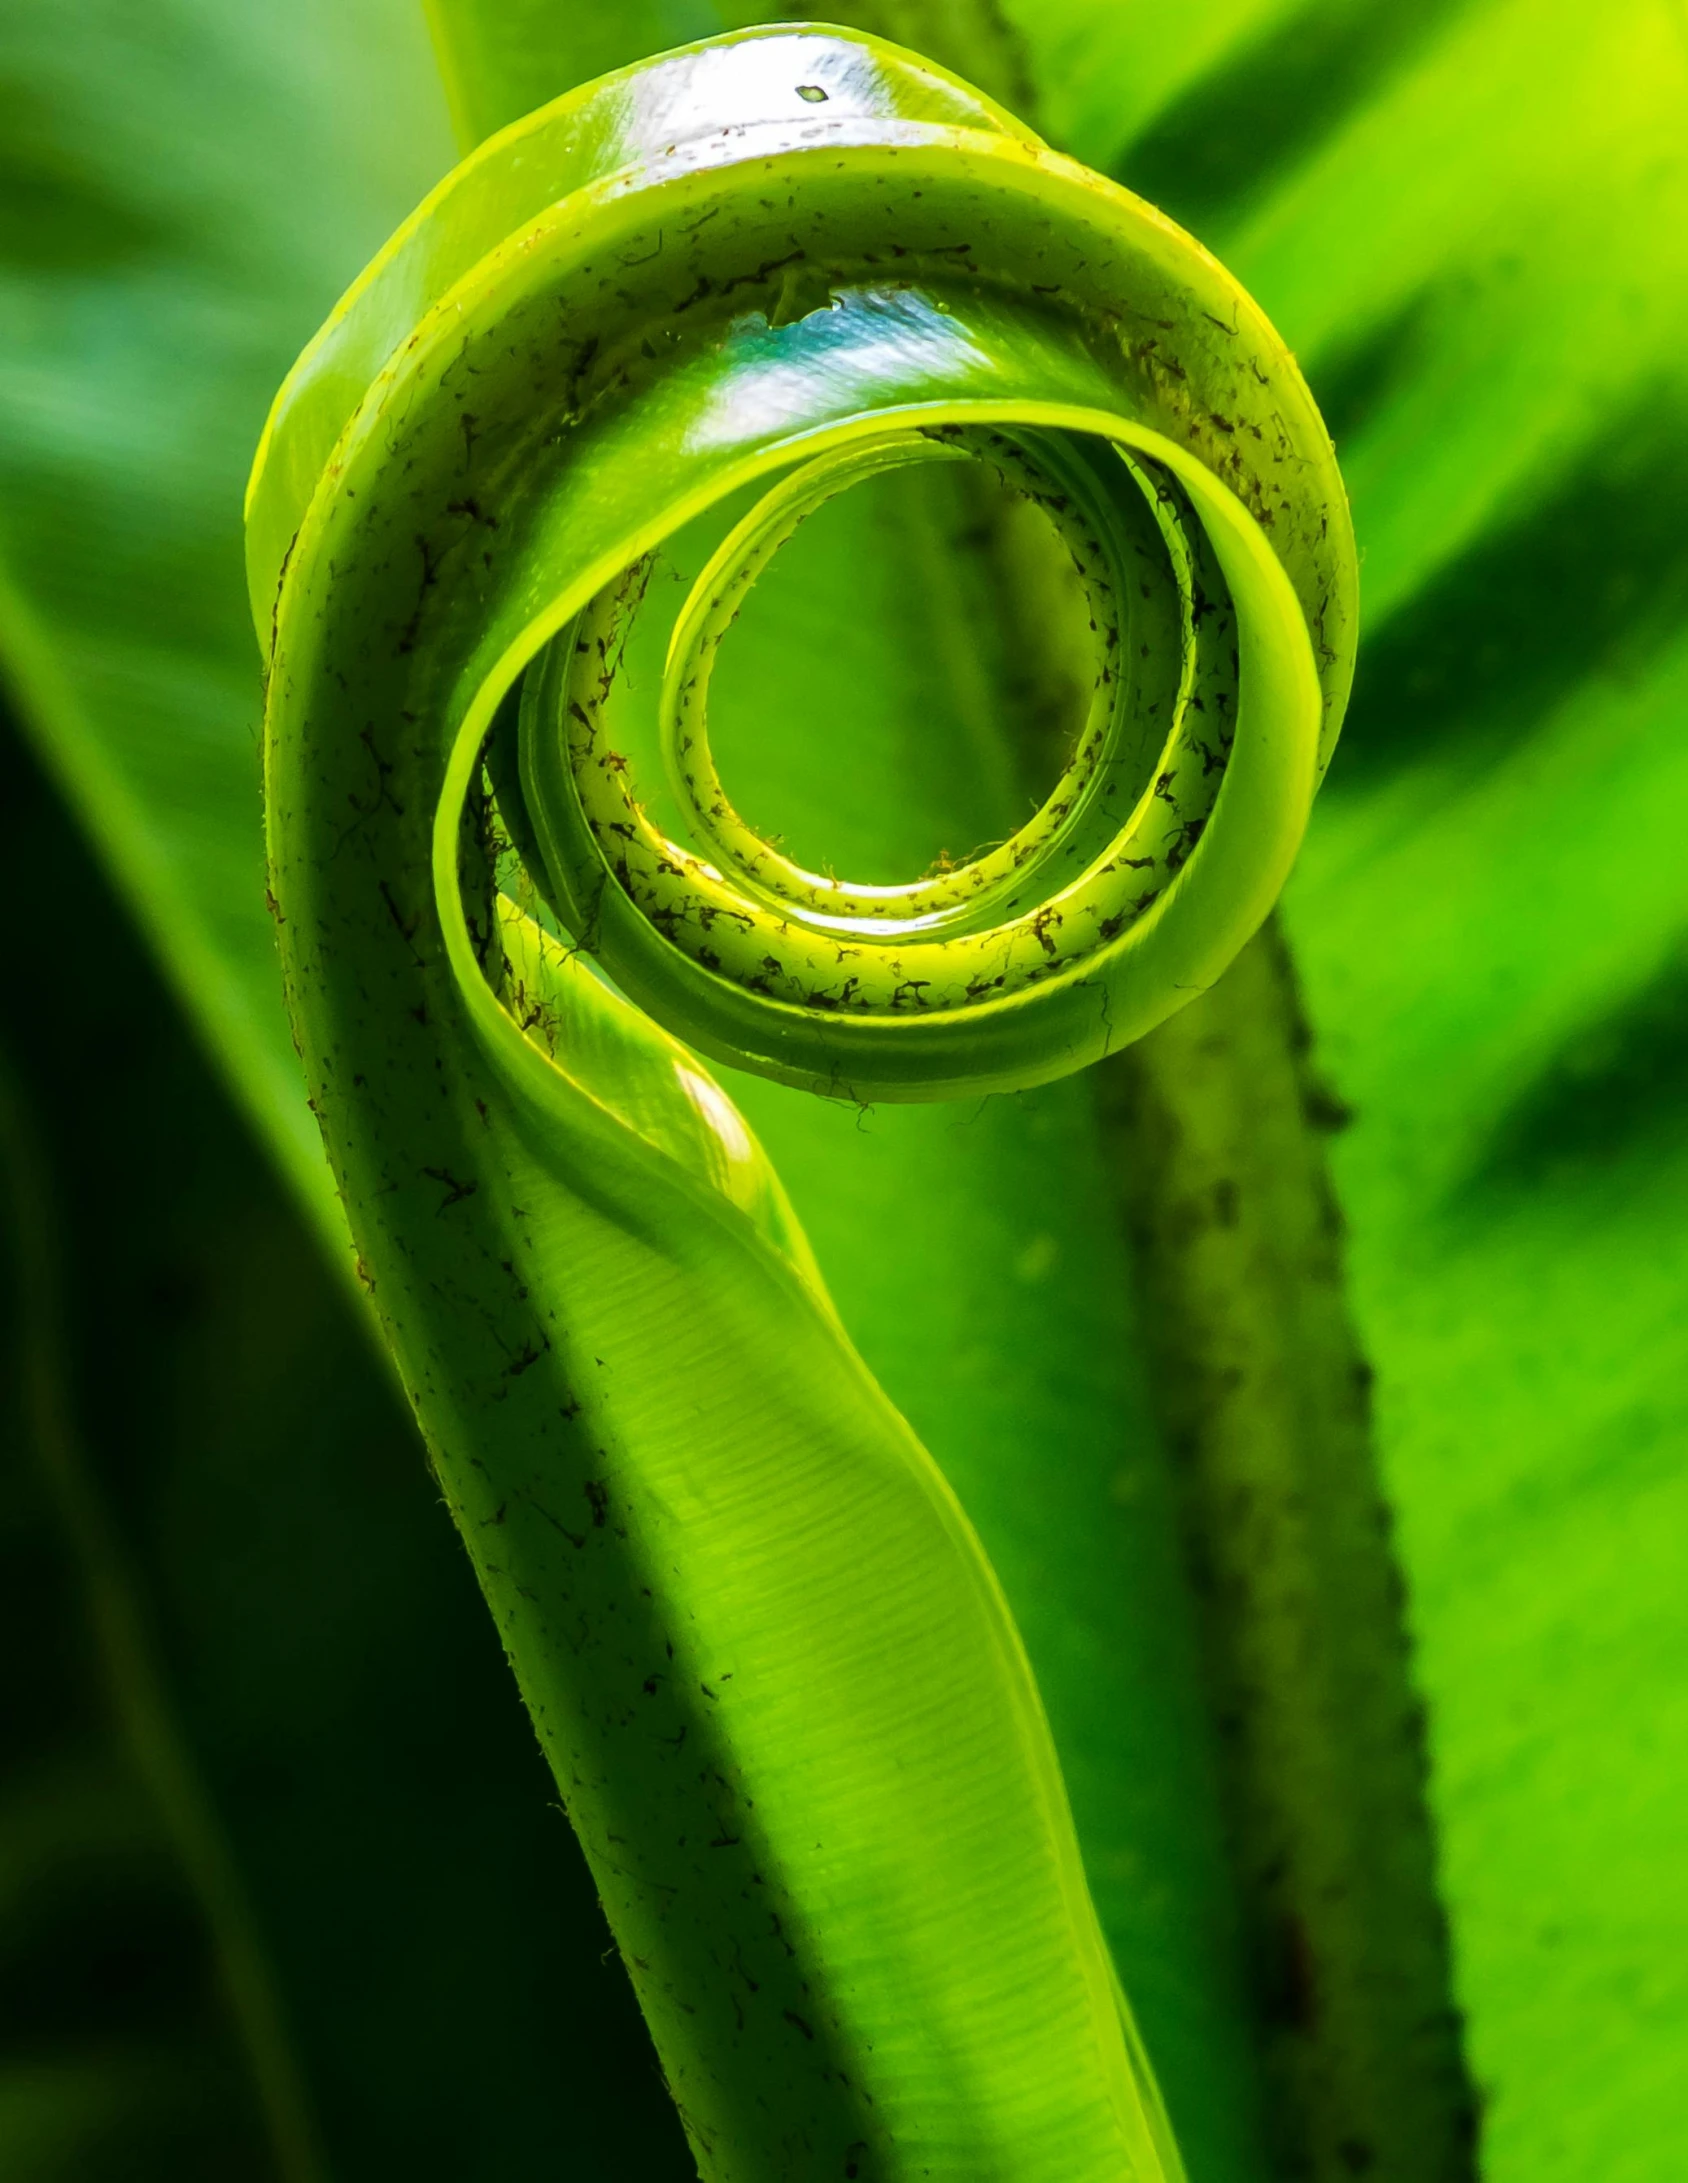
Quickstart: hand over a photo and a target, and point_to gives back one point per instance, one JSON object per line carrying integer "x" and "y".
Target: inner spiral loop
{"x": 961, "y": 895}
{"x": 1122, "y": 820}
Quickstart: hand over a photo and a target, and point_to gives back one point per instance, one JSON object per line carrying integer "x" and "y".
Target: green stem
{"x": 1215, "y": 1124}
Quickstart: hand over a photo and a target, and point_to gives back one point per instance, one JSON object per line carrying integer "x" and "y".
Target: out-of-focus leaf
{"x": 1474, "y": 229}
{"x": 184, "y": 186}
{"x": 322, "y": 1662}
{"x": 115, "y": 2059}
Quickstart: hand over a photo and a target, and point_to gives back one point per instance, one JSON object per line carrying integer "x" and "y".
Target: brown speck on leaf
{"x": 456, "y": 1191}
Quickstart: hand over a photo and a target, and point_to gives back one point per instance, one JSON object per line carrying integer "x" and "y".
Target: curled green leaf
{"x": 787, "y": 1709}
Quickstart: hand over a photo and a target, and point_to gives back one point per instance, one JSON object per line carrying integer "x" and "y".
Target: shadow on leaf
{"x": 59, "y": 211}
{"x": 1588, "y": 582}
{"x": 1219, "y": 147}
{"x": 1616, "y": 1090}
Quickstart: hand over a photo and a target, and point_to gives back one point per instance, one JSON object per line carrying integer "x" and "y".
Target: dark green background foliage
{"x": 328, "y": 1664}
{"x": 1471, "y": 223}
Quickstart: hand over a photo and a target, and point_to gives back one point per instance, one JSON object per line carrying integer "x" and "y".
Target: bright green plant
{"x": 1468, "y": 221}
{"x": 788, "y": 1714}
{"x": 781, "y": 1552}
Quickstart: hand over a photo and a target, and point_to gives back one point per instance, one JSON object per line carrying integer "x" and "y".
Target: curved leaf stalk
{"x": 127, "y": 1657}
{"x": 782, "y": 1696}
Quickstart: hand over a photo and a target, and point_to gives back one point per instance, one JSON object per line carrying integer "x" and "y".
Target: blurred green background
{"x": 282, "y": 1888}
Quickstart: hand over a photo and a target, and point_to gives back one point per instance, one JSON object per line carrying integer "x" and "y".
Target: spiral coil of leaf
{"x": 776, "y": 265}
{"x": 808, "y": 260}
